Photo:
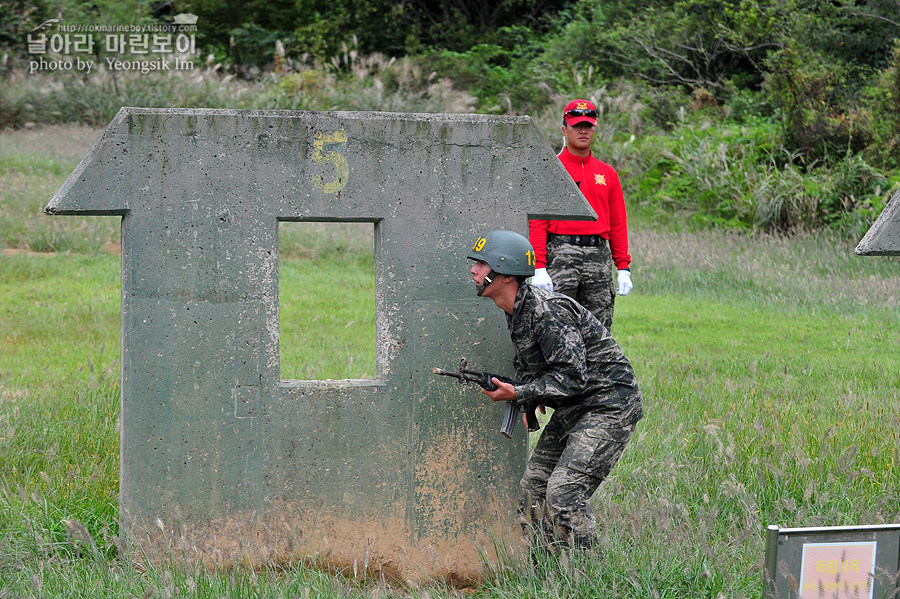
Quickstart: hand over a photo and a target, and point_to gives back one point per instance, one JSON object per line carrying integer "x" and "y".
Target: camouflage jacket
{"x": 568, "y": 359}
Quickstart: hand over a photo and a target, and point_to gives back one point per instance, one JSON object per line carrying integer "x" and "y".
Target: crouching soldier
{"x": 569, "y": 363}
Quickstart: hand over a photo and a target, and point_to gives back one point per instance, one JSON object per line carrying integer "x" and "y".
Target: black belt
{"x": 580, "y": 239}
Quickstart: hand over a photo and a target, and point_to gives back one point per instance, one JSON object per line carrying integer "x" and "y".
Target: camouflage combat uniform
{"x": 584, "y": 273}
{"x": 571, "y": 364}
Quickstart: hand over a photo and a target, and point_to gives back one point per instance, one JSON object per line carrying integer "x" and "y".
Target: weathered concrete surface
{"x": 221, "y": 459}
{"x": 883, "y": 237}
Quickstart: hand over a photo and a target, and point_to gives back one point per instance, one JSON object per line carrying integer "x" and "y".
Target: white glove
{"x": 542, "y": 279}
{"x": 624, "y": 279}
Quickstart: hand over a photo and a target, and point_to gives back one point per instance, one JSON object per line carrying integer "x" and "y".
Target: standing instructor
{"x": 577, "y": 257}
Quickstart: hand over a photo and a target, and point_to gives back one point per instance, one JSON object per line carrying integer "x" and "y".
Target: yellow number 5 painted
{"x": 337, "y": 140}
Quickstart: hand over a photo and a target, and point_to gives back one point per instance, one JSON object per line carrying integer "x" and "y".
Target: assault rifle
{"x": 513, "y": 408}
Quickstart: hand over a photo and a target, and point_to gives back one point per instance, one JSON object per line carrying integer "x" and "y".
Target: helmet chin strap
{"x": 488, "y": 279}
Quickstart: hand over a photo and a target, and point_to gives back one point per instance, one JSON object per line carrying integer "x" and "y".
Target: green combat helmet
{"x": 506, "y": 252}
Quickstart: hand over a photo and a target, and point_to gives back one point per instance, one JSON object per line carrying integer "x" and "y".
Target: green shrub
{"x": 782, "y": 202}
{"x": 499, "y": 80}
{"x": 53, "y": 98}
{"x": 14, "y": 105}
{"x": 817, "y": 120}
{"x": 884, "y": 99}
{"x": 711, "y": 173}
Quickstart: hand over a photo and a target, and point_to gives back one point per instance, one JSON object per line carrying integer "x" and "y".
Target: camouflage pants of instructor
{"x": 584, "y": 273}
{"x": 562, "y": 474}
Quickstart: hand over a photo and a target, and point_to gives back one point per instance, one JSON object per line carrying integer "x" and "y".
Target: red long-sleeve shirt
{"x": 600, "y": 185}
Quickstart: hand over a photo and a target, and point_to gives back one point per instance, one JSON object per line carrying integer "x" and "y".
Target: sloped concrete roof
{"x": 883, "y": 237}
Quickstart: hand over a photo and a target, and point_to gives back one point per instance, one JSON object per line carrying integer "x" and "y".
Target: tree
{"x": 722, "y": 44}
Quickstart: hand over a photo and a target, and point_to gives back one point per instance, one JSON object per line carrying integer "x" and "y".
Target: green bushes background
{"x": 774, "y": 116}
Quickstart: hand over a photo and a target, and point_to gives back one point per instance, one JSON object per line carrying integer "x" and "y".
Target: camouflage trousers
{"x": 562, "y": 474}
{"x": 584, "y": 273}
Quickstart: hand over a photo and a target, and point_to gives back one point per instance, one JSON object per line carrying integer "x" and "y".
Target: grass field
{"x": 769, "y": 368}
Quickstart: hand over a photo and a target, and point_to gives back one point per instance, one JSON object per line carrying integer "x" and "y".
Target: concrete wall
{"x": 224, "y": 461}
{"x": 883, "y": 238}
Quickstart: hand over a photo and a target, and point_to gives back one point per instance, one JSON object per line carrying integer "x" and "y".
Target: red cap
{"x": 582, "y": 112}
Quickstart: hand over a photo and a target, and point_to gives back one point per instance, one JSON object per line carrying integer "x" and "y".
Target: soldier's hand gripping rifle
{"x": 513, "y": 408}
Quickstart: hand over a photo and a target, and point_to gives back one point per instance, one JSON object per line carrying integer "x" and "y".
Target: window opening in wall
{"x": 326, "y": 296}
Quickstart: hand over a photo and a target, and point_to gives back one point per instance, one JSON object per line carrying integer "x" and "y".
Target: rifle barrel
{"x": 445, "y": 372}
